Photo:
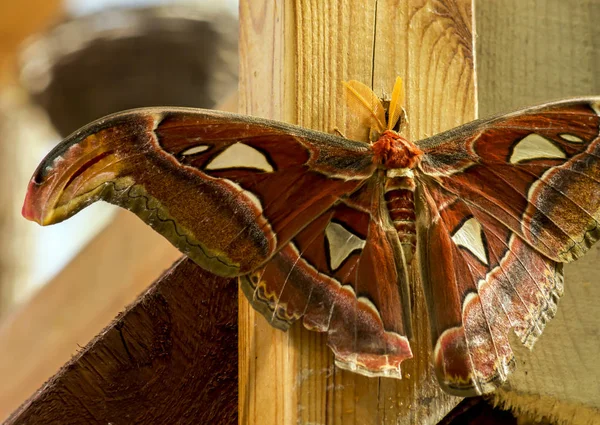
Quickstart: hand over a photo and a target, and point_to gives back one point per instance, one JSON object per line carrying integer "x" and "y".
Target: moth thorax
{"x": 393, "y": 151}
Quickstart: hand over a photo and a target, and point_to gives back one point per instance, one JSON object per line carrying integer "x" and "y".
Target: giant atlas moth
{"x": 336, "y": 232}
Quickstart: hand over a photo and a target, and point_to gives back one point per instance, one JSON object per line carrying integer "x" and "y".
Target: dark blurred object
{"x": 118, "y": 59}
{"x": 478, "y": 411}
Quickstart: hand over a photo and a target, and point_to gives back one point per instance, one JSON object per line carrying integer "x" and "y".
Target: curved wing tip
{"x": 30, "y": 209}
{"x": 471, "y": 386}
{"x": 384, "y": 371}
{"x": 374, "y": 365}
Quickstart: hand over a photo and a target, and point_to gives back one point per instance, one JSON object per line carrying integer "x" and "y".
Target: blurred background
{"x": 64, "y": 63}
{"x": 67, "y": 63}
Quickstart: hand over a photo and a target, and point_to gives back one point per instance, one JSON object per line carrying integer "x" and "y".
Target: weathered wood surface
{"x": 77, "y": 304}
{"x": 171, "y": 357}
{"x": 293, "y": 56}
{"x": 529, "y": 52}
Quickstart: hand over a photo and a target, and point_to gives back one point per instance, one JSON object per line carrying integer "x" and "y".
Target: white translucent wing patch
{"x": 535, "y": 146}
{"x": 240, "y": 155}
{"x": 571, "y": 138}
{"x": 195, "y": 150}
{"x": 341, "y": 244}
{"x": 469, "y": 236}
{"x": 370, "y": 304}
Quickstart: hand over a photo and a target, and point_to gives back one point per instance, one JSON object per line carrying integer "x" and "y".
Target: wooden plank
{"x": 293, "y": 55}
{"x": 267, "y": 394}
{"x": 264, "y": 398}
{"x": 533, "y": 51}
{"x": 171, "y": 357}
{"x": 77, "y": 304}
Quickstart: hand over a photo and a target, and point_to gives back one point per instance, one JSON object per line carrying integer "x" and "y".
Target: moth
{"x": 335, "y": 232}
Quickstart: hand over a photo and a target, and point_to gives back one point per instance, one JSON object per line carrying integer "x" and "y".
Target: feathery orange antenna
{"x": 395, "y": 109}
{"x": 366, "y": 105}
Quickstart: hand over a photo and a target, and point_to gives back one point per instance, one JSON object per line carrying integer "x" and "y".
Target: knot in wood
{"x": 393, "y": 151}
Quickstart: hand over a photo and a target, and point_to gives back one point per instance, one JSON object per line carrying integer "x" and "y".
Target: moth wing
{"x": 227, "y": 190}
{"x": 343, "y": 274}
{"x": 501, "y": 204}
{"x": 535, "y": 170}
{"x": 481, "y": 280}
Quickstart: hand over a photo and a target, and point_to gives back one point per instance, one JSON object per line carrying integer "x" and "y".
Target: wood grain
{"x": 77, "y": 304}
{"x": 171, "y": 357}
{"x": 293, "y": 56}
{"x": 531, "y": 52}
{"x": 264, "y": 398}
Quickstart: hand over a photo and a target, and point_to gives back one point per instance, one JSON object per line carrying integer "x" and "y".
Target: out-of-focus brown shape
{"x": 170, "y": 358}
{"x": 85, "y": 68}
{"x": 480, "y": 411}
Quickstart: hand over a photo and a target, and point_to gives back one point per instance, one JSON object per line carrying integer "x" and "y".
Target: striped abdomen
{"x": 399, "y": 197}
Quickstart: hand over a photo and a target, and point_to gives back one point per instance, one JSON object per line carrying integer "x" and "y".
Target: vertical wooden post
{"x": 293, "y": 56}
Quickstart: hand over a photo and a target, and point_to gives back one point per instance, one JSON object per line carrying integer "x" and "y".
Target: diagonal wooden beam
{"x": 170, "y": 357}
{"x": 109, "y": 273}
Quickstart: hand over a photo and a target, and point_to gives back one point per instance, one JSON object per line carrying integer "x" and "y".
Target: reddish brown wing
{"x": 501, "y": 204}
{"x": 481, "y": 280}
{"x": 344, "y": 274}
{"x": 536, "y": 171}
{"x": 234, "y": 192}
{"x": 229, "y": 191}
